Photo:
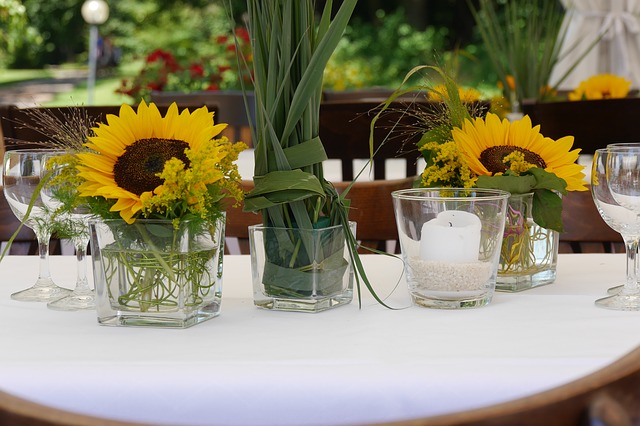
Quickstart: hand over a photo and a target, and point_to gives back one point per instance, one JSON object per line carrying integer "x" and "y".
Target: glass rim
{"x": 262, "y": 226}
{"x": 57, "y": 151}
{"x": 97, "y": 219}
{"x": 43, "y": 149}
{"x": 622, "y": 146}
{"x": 487, "y": 194}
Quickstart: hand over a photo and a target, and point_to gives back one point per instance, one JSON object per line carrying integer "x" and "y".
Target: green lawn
{"x": 16, "y": 76}
{"x": 104, "y": 94}
{"x": 104, "y": 90}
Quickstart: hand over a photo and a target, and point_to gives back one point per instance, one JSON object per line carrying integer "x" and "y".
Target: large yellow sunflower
{"x": 485, "y": 143}
{"x": 131, "y": 150}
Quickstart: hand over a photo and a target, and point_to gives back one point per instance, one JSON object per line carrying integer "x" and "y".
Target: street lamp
{"x": 94, "y": 12}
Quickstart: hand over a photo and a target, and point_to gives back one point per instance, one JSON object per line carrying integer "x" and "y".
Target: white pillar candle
{"x": 453, "y": 236}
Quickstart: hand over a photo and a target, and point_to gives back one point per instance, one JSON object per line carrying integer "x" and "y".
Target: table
{"x": 345, "y": 366}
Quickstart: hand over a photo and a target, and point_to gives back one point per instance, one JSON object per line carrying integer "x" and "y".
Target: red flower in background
{"x": 197, "y": 70}
{"x": 242, "y": 34}
{"x": 222, "y": 68}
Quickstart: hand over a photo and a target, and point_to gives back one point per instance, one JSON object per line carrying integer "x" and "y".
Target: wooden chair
{"x": 608, "y": 397}
{"x": 371, "y": 208}
{"x": 15, "y": 411}
{"x": 585, "y": 230}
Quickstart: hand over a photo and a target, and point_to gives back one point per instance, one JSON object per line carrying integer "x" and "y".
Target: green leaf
{"x": 160, "y": 231}
{"x": 313, "y": 74}
{"x": 547, "y": 209}
{"x": 282, "y": 187}
{"x": 513, "y": 184}
{"x": 546, "y": 180}
{"x": 304, "y": 154}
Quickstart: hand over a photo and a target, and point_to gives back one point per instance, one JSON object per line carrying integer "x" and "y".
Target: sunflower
{"x": 130, "y": 151}
{"x": 491, "y": 147}
{"x": 601, "y": 86}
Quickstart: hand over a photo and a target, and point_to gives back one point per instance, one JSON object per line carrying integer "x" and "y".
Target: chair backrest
{"x": 371, "y": 208}
{"x": 607, "y": 397}
{"x": 585, "y": 230}
{"x": 345, "y": 127}
{"x": 588, "y": 121}
{"x": 19, "y": 124}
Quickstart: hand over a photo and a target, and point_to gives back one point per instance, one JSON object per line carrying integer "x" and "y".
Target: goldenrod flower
{"x": 488, "y": 146}
{"x": 447, "y": 168}
{"x": 601, "y": 86}
{"x": 145, "y": 162}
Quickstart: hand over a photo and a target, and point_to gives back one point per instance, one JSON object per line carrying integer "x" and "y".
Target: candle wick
{"x": 450, "y": 225}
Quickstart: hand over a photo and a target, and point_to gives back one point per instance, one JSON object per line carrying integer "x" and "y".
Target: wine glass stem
{"x": 631, "y": 284}
{"x": 43, "y": 250}
{"x": 82, "y": 285}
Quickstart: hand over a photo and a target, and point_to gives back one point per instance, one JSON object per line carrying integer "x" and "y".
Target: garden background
{"x": 385, "y": 39}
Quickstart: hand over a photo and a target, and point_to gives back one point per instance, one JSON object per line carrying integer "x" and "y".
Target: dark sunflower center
{"x": 492, "y": 158}
{"x": 136, "y": 169}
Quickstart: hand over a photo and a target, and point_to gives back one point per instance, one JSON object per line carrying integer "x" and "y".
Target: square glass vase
{"x": 301, "y": 270}
{"x": 152, "y": 274}
{"x": 529, "y": 252}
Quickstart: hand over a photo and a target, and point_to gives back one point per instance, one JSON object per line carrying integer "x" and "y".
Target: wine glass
{"x": 82, "y": 296}
{"x": 625, "y": 145}
{"x": 74, "y": 223}
{"x": 614, "y": 200}
{"x": 21, "y": 179}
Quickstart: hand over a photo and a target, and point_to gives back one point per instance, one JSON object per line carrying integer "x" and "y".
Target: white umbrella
{"x": 617, "y": 52}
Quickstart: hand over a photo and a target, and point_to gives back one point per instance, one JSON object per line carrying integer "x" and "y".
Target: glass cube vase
{"x": 151, "y": 274}
{"x": 301, "y": 270}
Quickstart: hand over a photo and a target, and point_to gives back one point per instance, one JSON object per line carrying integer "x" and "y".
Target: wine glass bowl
{"x": 73, "y": 222}
{"x": 616, "y": 194}
{"x": 22, "y": 182}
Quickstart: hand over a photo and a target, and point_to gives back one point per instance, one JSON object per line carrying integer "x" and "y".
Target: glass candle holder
{"x": 450, "y": 240}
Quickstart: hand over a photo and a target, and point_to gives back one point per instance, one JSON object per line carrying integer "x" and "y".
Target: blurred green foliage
{"x": 380, "y": 53}
{"x": 378, "y": 49}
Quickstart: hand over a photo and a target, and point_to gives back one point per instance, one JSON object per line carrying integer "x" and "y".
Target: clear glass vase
{"x": 150, "y": 273}
{"x": 529, "y": 252}
{"x": 300, "y": 270}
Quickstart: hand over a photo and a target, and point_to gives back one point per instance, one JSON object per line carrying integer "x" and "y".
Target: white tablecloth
{"x": 344, "y": 366}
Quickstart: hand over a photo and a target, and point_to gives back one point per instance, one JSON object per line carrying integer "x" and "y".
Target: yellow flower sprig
{"x": 447, "y": 167}
{"x": 190, "y": 190}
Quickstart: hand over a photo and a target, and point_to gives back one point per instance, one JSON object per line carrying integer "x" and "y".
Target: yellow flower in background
{"x": 488, "y": 146}
{"x": 139, "y": 159}
{"x": 467, "y": 95}
{"x": 601, "y": 86}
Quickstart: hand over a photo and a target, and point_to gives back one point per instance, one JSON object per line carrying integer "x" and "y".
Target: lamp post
{"x": 94, "y": 12}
